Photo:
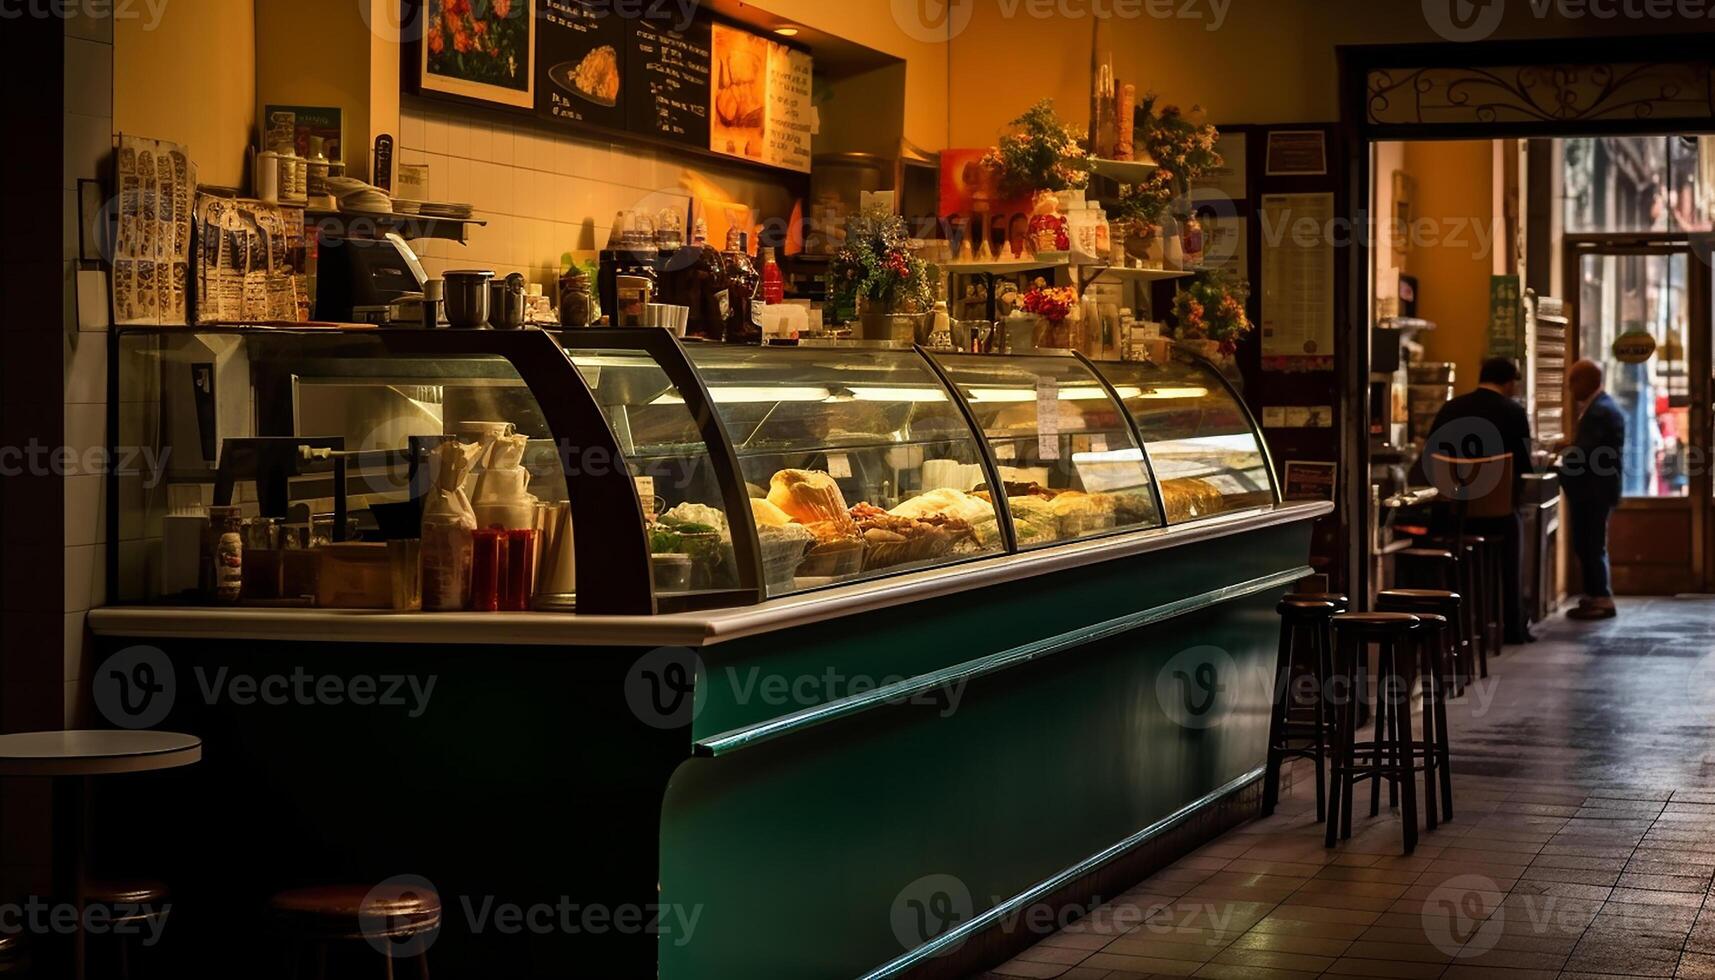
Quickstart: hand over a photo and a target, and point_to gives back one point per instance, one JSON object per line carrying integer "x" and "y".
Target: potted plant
{"x": 1054, "y": 305}
{"x": 1210, "y": 317}
{"x": 1042, "y": 155}
{"x": 877, "y": 273}
{"x": 1184, "y": 146}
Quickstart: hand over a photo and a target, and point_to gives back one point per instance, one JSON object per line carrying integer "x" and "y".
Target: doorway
{"x": 1640, "y": 306}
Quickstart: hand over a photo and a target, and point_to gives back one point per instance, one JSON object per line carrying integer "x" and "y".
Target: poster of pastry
{"x": 156, "y": 182}
{"x": 480, "y": 49}
{"x": 250, "y": 262}
{"x": 739, "y": 90}
{"x": 580, "y": 51}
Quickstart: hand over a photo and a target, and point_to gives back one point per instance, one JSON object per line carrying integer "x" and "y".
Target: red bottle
{"x": 487, "y": 569}
{"x": 773, "y": 282}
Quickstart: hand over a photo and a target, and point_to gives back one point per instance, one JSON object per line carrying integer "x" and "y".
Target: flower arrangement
{"x": 1052, "y": 303}
{"x": 1212, "y": 308}
{"x": 1041, "y": 154}
{"x": 877, "y": 264}
{"x": 478, "y": 40}
{"x": 1184, "y": 145}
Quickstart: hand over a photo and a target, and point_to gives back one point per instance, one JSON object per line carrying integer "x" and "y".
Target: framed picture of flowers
{"x": 480, "y": 49}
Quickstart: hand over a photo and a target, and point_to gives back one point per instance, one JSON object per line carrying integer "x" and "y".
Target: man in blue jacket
{"x": 1590, "y": 471}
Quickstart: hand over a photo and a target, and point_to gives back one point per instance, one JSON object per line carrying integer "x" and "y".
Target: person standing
{"x": 1485, "y": 422}
{"x": 1590, "y": 474}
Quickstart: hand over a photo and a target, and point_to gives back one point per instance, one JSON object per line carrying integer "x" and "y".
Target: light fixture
{"x": 788, "y": 30}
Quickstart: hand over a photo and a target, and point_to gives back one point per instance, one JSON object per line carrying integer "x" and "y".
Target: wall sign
{"x": 1310, "y": 481}
{"x": 1506, "y": 317}
{"x": 1634, "y": 347}
{"x": 1297, "y": 277}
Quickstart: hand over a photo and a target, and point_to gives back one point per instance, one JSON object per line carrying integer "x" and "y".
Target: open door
{"x": 1641, "y": 309}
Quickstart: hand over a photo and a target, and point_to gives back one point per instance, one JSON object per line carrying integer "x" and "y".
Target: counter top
{"x": 695, "y": 629}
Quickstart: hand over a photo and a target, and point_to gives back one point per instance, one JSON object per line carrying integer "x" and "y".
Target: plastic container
{"x": 672, "y": 572}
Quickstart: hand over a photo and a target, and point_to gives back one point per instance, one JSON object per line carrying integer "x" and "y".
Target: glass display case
{"x": 1067, "y": 455}
{"x": 647, "y": 474}
{"x": 1202, "y": 442}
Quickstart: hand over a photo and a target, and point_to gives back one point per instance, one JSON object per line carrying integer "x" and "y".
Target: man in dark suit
{"x": 1486, "y": 422}
{"x": 1590, "y": 472}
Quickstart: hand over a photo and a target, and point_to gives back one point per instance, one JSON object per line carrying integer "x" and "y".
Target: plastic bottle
{"x": 773, "y": 282}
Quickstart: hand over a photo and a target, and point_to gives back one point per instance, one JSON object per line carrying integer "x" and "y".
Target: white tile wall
{"x": 545, "y": 192}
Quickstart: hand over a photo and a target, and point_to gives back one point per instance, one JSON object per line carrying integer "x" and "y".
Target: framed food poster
{"x": 480, "y": 49}
{"x": 740, "y": 92}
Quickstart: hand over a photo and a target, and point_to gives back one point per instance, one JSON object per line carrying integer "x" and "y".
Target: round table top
{"x": 95, "y": 753}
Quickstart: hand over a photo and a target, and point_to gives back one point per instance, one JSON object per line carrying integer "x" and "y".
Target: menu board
{"x": 669, "y": 92}
{"x": 761, "y": 93}
{"x": 710, "y": 86}
{"x": 581, "y": 62}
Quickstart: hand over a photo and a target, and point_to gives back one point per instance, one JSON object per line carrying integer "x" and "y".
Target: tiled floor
{"x": 1583, "y": 843}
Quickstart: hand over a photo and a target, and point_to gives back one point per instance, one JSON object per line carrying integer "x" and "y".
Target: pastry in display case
{"x": 1201, "y": 440}
{"x": 855, "y": 447}
{"x": 1067, "y": 456}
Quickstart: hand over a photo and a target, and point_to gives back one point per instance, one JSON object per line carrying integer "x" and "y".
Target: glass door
{"x": 1641, "y": 312}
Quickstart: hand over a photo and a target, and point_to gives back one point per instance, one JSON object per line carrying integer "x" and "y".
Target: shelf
{"x": 1124, "y": 171}
{"x": 1126, "y": 272}
{"x": 373, "y": 224}
{"x": 1002, "y": 268}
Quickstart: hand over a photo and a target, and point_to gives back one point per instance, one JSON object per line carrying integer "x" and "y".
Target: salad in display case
{"x": 679, "y": 475}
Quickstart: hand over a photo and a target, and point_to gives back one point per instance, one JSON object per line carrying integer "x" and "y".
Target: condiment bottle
{"x": 743, "y": 322}
{"x": 773, "y": 282}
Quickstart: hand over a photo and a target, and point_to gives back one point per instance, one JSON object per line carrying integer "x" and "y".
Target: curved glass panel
{"x": 1201, "y": 443}
{"x": 690, "y": 539}
{"x": 1072, "y": 467}
{"x": 858, "y": 462}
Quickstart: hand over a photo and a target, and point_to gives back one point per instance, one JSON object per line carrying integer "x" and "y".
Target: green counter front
{"x": 849, "y": 783}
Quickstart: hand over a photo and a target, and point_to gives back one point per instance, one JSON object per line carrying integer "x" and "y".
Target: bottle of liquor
{"x": 744, "y": 286}
{"x": 699, "y": 281}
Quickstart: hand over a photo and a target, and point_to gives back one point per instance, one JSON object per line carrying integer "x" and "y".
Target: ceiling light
{"x": 787, "y": 31}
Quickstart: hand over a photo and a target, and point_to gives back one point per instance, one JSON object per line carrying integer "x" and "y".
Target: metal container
{"x": 506, "y": 303}
{"x": 467, "y": 298}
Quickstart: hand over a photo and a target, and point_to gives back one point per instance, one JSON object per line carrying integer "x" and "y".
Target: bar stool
{"x": 13, "y": 959}
{"x": 1305, "y": 643}
{"x": 130, "y": 904}
{"x": 1439, "y": 613}
{"x": 1481, "y": 579}
{"x": 1445, "y": 603}
{"x": 1452, "y": 571}
{"x": 1390, "y": 756}
{"x": 323, "y": 917}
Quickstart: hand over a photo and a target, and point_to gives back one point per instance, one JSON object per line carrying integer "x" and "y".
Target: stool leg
{"x": 1381, "y": 729}
{"x": 1338, "y": 791}
{"x": 1402, "y": 748}
{"x": 423, "y": 965}
{"x": 1443, "y": 737}
{"x": 1423, "y": 674}
{"x": 387, "y": 969}
{"x": 1277, "y": 720}
{"x": 1320, "y": 646}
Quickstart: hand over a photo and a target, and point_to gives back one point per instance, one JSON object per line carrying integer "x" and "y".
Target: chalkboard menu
{"x": 645, "y": 76}
{"x": 669, "y": 92}
{"x": 580, "y": 61}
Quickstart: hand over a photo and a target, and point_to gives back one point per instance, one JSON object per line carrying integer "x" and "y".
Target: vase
{"x": 1191, "y": 242}
{"x": 879, "y": 321}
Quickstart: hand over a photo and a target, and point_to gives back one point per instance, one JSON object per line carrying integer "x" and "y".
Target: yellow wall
{"x": 191, "y": 79}
{"x": 873, "y": 24}
{"x": 323, "y": 53}
{"x": 1452, "y": 256}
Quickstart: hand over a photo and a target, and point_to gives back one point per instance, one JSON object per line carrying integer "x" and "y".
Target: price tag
{"x": 1047, "y": 419}
{"x": 839, "y": 466}
{"x": 1005, "y": 451}
{"x": 646, "y": 495}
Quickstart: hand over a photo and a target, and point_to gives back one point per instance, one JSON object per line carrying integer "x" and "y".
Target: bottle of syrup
{"x": 744, "y": 286}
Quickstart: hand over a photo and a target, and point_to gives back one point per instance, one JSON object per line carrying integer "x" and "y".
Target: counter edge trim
{"x": 741, "y": 738}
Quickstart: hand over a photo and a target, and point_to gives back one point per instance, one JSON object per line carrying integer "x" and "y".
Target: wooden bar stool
{"x": 1451, "y": 571}
{"x": 1445, "y": 603}
{"x": 1439, "y": 613}
{"x": 1390, "y": 755}
{"x": 132, "y": 904}
{"x": 399, "y": 918}
{"x": 1305, "y": 650}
